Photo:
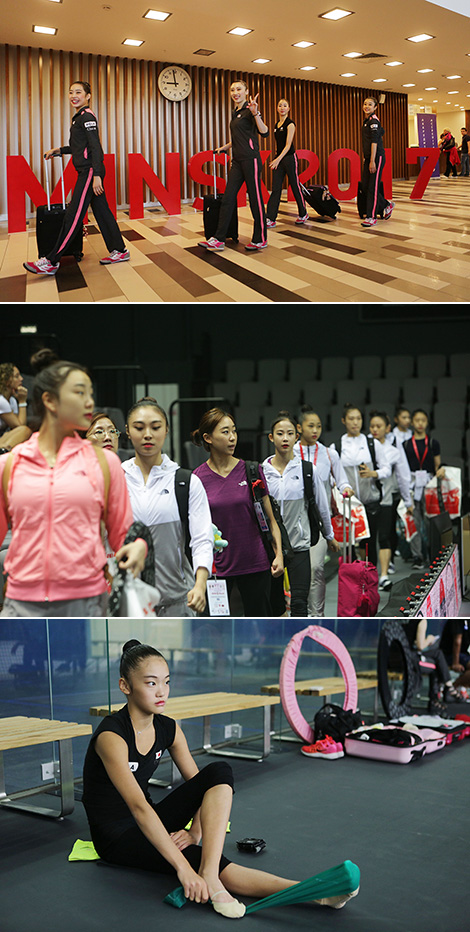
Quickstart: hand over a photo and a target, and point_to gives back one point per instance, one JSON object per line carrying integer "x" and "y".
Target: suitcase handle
{"x": 347, "y": 545}
{"x": 48, "y": 193}
{"x": 214, "y": 153}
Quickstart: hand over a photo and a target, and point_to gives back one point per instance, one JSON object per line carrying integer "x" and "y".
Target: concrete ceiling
{"x": 376, "y": 29}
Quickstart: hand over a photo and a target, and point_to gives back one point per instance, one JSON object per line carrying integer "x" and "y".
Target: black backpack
{"x": 182, "y": 480}
{"x": 258, "y": 492}
{"x": 336, "y": 722}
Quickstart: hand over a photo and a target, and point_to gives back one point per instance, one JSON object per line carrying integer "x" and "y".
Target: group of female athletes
{"x": 58, "y": 488}
{"x": 246, "y": 168}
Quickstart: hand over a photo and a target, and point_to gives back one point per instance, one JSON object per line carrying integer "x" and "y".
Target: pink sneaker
{"x": 41, "y": 267}
{"x": 388, "y": 211}
{"x": 369, "y": 222}
{"x": 302, "y": 219}
{"x": 253, "y": 247}
{"x": 327, "y": 749}
{"x": 116, "y": 256}
{"x": 213, "y": 244}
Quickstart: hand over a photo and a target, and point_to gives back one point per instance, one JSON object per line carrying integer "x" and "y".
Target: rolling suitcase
{"x": 394, "y": 745}
{"x": 49, "y": 219}
{"x": 211, "y": 211}
{"x": 319, "y": 197}
{"x": 358, "y": 580}
{"x": 362, "y": 201}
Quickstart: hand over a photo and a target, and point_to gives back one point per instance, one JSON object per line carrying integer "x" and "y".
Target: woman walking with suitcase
{"x": 284, "y": 164}
{"x": 245, "y": 126}
{"x": 87, "y": 157}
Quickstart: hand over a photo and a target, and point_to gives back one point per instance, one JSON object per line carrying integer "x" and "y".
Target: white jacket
{"x": 354, "y": 451}
{"x": 156, "y": 506}
{"x": 288, "y": 490}
{"x": 329, "y": 466}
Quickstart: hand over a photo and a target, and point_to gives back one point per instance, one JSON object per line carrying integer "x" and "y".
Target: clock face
{"x": 174, "y": 83}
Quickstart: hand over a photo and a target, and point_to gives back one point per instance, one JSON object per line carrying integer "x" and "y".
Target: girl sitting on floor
{"x": 129, "y": 829}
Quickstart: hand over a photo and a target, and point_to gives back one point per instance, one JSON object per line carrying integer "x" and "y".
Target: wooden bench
{"x": 204, "y": 706}
{"x": 328, "y": 686}
{"x": 20, "y": 731}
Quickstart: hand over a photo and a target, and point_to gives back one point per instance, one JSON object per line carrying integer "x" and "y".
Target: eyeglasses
{"x": 101, "y": 432}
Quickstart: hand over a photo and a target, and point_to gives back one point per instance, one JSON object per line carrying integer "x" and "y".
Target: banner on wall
{"x": 22, "y": 182}
{"x": 427, "y": 135}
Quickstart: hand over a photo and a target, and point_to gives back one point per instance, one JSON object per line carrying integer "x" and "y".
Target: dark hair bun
{"x": 130, "y": 644}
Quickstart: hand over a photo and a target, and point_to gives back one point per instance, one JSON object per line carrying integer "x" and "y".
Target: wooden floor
{"x": 422, "y": 254}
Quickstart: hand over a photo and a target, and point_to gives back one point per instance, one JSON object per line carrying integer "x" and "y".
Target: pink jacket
{"x": 56, "y": 551}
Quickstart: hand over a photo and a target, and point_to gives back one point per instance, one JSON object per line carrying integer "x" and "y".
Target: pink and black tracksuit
{"x": 288, "y": 166}
{"x": 372, "y": 131}
{"x": 87, "y": 157}
{"x": 246, "y": 167}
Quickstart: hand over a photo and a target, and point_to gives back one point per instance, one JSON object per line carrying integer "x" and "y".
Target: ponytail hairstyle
{"x": 307, "y": 410}
{"x": 208, "y": 424}
{"x": 284, "y": 416}
{"x": 382, "y": 415}
{"x": 133, "y": 653}
{"x": 148, "y": 402}
{"x": 85, "y": 85}
{"x": 51, "y": 380}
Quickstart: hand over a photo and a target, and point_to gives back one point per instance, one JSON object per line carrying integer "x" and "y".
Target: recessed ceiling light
{"x": 239, "y": 31}
{"x": 302, "y": 45}
{"x": 348, "y": 74}
{"x": 424, "y": 70}
{"x": 453, "y": 77}
{"x": 156, "y": 14}
{"x": 335, "y": 14}
{"x": 261, "y": 61}
{"x": 408, "y": 85}
{"x": 453, "y": 92}
{"x": 308, "y": 68}
{"x": 353, "y": 54}
{"x": 423, "y": 37}
{"x": 392, "y": 64}
{"x": 379, "y": 80}
{"x": 205, "y": 52}
{"x": 45, "y": 30}
{"x": 430, "y": 88}
{"x": 134, "y": 42}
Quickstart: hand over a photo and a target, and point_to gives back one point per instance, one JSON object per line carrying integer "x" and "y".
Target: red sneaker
{"x": 41, "y": 267}
{"x": 327, "y": 749}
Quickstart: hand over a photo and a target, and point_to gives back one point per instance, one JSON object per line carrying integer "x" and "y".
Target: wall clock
{"x": 174, "y": 83}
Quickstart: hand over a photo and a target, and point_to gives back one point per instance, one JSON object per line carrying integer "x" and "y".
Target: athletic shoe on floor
{"x": 385, "y": 584}
{"x": 435, "y": 707}
{"x": 270, "y": 223}
{"x": 253, "y": 247}
{"x": 451, "y": 695}
{"x": 417, "y": 565}
{"x": 391, "y": 569}
{"x": 369, "y": 222}
{"x": 388, "y": 211}
{"x": 327, "y": 749}
{"x": 116, "y": 256}
{"x": 302, "y": 219}
{"x": 41, "y": 267}
{"x": 216, "y": 245}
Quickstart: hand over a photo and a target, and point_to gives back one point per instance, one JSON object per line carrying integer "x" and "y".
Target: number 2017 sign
{"x": 21, "y": 180}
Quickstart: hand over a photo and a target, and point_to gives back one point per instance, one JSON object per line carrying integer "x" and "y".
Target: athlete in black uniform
{"x": 284, "y": 164}
{"x": 374, "y": 161}
{"x": 245, "y": 126}
{"x": 87, "y": 157}
{"x": 129, "y": 829}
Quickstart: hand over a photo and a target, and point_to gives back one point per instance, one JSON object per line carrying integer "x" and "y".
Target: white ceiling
{"x": 100, "y": 26}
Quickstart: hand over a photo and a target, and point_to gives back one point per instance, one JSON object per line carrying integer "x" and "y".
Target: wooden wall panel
{"x": 133, "y": 116}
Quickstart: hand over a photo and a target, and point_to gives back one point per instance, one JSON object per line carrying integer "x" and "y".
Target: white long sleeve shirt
{"x": 354, "y": 452}
{"x": 288, "y": 490}
{"x": 328, "y": 465}
{"x": 154, "y": 503}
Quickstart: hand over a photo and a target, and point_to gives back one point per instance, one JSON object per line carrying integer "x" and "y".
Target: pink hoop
{"x": 287, "y": 676}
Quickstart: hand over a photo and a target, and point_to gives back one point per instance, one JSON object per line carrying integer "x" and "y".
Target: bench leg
{"x": 224, "y": 751}
{"x": 67, "y": 799}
